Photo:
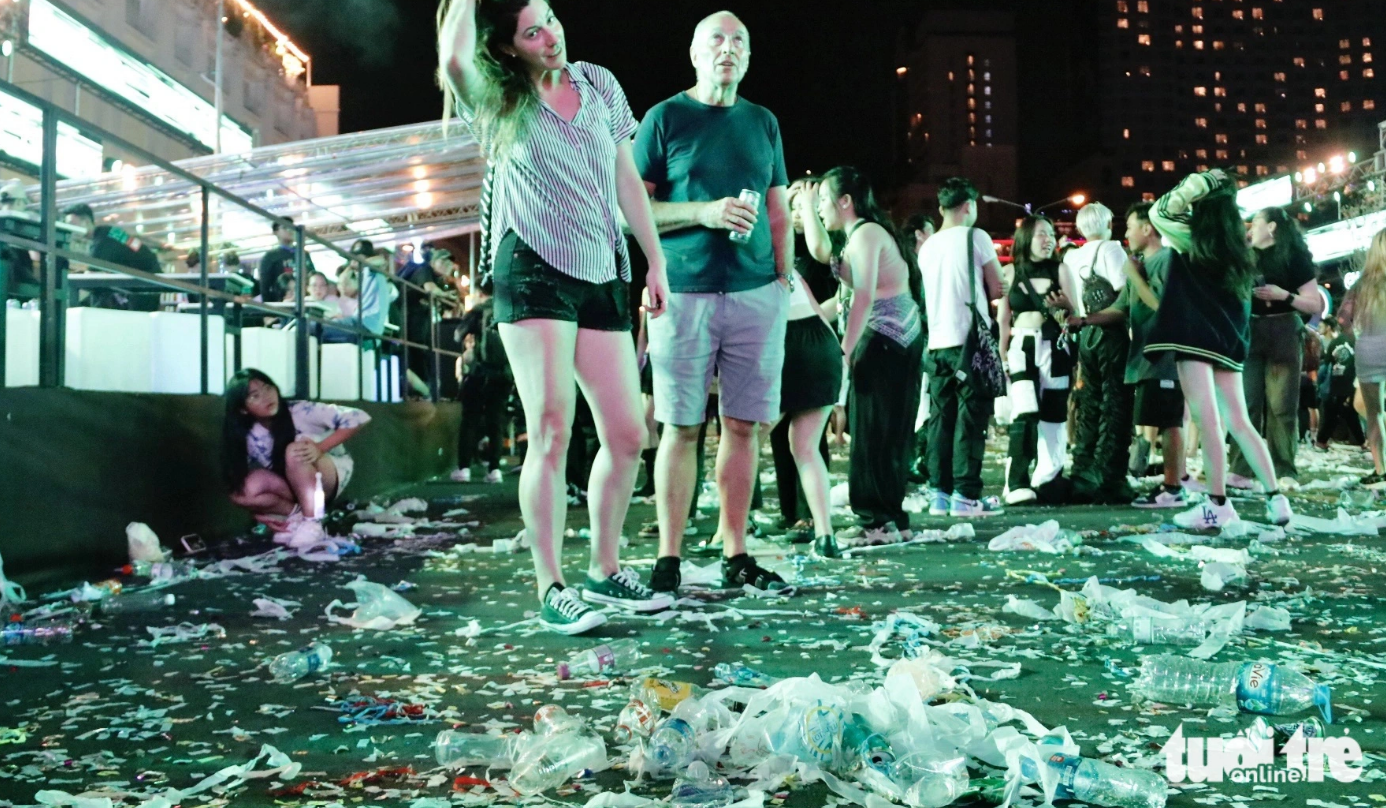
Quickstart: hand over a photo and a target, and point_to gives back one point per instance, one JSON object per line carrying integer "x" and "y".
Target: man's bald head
{"x": 721, "y": 50}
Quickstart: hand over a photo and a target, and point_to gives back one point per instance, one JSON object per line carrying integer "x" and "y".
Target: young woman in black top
{"x": 1204, "y": 320}
{"x": 1039, "y": 361}
{"x": 1285, "y": 294}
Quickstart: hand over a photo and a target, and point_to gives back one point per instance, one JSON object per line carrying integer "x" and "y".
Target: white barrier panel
{"x": 342, "y": 365}
{"x": 22, "y": 348}
{"x": 271, "y": 351}
{"x": 109, "y": 350}
{"x": 176, "y": 353}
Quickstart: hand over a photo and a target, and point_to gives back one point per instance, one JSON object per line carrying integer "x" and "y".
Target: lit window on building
{"x": 1368, "y": 103}
{"x": 1320, "y": 92}
{"x": 1318, "y": 107}
{"x": 1201, "y": 167}
{"x": 1366, "y": 58}
{"x": 1238, "y": 14}
{"x": 1178, "y": 43}
{"x": 1368, "y": 73}
{"x": 1128, "y": 182}
{"x": 970, "y": 59}
{"x": 1198, "y": 44}
{"x": 1122, "y": 22}
{"x": 1261, "y": 140}
{"x": 971, "y": 117}
{"x": 1279, "y": 76}
{"x": 1342, "y": 75}
{"x": 1143, "y": 39}
{"x": 1147, "y": 165}
{"x": 1220, "y": 137}
{"x": 988, "y": 134}
{"x": 971, "y": 74}
{"x": 1198, "y": 12}
{"x": 1217, "y": 44}
{"x": 950, "y": 75}
{"x": 1197, "y": 29}
{"x": 1241, "y": 169}
{"x": 1241, "y": 106}
{"x": 1320, "y": 123}
{"x": 1167, "y": 165}
{"x": 986, "y": 90}
{"x": 1144, "y": 70}
{"x": 1345, "y": 59}
{"x": 971, "y": 103}
{"x": 1344, "y": 44}
{"x": 1148, "y": 196}
{"x": 1201, "y": 123}
{"x": 1346, "y": 106}
{"x": 1366, "y": 42}
{"x": 987, "y": 119}
{"x": 1126, "y": 134}
{"x": 1200, "y": 91}
{"x": 1178, "y": 29}
{"x": 1301, "y": 123}
{"x": 1121, "y": 6}
{"x": 986, "y": 76}
{"x": 1220, "y": 92}
{"x": 1299, "y": 61}
{"x": 1318, "y": 14}
{"x": 1260, "y": 123}
{"x": 1301, "y": 155}
{"x": 1201, "y": 154}
{"x": 1220, "y": 154}
{"x": 1142, "y": 7}
{"x": 971, "y": 89}
{"x": 1260, "y": 107}
{"x": 1217, "y": 107}
{"x": 1257, "y": 14}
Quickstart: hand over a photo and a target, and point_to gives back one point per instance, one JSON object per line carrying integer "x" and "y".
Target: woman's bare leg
{"x": 541, "y": 355}
{"x": 610, "y": 380}
{"x": 1231, "y": 397}
{"x": 1197, "y": 380}
{"x": 805, "y": 433}
{"x": 303, "y": 480}
{"x": 1371, "y": 397}
{"x": 267, "y": 496}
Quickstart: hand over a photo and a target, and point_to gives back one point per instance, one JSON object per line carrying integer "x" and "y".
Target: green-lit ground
{"x": 119, "y": 715}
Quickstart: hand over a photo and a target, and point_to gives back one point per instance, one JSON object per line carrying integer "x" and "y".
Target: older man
{"x": 726, "y": 312}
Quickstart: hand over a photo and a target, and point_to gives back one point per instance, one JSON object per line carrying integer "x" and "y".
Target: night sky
{"x": 827, "y": 70}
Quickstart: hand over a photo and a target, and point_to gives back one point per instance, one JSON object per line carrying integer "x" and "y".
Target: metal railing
{"x": 54, "y": 292}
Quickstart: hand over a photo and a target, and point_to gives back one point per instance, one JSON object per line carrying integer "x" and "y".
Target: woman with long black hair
{"x": 1285, "y": 295}
{"x": 884, "y": 343}
{"x": 559, "y": 134}
{"x": 1040, "y": 362}
{"x": 274, "y": 450}
{"x": 1204, "y": 319}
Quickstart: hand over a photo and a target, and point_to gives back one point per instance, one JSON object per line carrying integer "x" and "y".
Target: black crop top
{"x": 1020, "y": 298}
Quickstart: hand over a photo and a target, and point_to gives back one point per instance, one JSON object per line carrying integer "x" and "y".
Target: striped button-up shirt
{"x": 556, "y": 188}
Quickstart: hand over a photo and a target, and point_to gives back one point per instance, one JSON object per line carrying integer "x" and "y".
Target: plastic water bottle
{"x": 1255, "y": 687}
{"x": 319, "y": 499}
{"x": 546, "y": 762}
{"x": 161, "y": 570}
{"x": 147, "y": 601}
{"x": 700, "y": 788}
{"x": 866, "y": 748}
{"x": 664, "y": 694}
{"x": 813, "y": 735}
{"x": 1101, "y": 783}
{"x": 552, "y": 719}
{"x": 637, "y": 720}
{"x": 295, "y": 665}
{"x": 737, "y": 674}
{"x": 456, "y": 750}
{"x": 672, "y": 744}
{"x": 49, "y": 633}
{"x": 1185, "y": 631}
{"x": 616, "y": 655}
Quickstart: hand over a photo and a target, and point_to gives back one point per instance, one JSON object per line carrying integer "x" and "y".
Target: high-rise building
{"x": 1262, "y": 87}
{"x": 958, "y": 105}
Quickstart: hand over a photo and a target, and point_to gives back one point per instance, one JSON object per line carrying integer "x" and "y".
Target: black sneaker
{"x": 741, "y": 570}
{"x": 826, "y": 547}
{"x": 665, "y": 577}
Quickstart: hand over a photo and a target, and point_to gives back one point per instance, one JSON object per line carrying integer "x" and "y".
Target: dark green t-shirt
{"x": 1141, "y": 317}
{"x": 693, "y": 152}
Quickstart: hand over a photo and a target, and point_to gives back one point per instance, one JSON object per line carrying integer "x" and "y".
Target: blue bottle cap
{"x": 1323, "y": 700}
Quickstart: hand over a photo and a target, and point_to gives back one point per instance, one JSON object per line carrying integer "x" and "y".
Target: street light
{"x": 1074, "y": 199}
{"x": 998, "y": 200}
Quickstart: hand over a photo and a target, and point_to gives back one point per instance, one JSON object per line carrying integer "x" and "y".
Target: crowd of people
{"x": 771, "y": 307}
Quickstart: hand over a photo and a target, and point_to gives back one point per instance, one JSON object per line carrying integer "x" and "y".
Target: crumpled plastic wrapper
{"x": 143, "y": 543}
{"x": 378, "y": 608}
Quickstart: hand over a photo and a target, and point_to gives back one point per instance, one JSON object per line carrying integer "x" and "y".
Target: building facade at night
{"x": 146, "y": 70}
{"x": 1263, "y": 87}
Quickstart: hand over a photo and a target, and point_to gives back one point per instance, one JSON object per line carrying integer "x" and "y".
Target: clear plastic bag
{"x": 377, "y": 608}
{"x": 144, "y": 544}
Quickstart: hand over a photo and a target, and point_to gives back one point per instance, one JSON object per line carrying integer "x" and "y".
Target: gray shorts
{"x": 740, "y": 335}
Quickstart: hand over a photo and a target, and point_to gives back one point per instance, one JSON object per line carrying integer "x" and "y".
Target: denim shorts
{"x": 528, "y": 288}
{"x": 739, "y": 336}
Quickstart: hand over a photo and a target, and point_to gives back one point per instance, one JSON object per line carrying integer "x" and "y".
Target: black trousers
{"x": 1102, "y": 443}
{"x": 958, "y": 418}
{"x": 1338, "y": 410}
{"x": 791, "y": 494}
{"x": 484, "y": 396}
{"x": 884, "y": 401}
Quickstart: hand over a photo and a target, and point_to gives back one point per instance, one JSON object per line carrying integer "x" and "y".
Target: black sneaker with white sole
{"x": 565, "y": 613}
{"x": 741, "y": 570}
{"x": 665, "y": 577}
{"x": 624, "y": 590}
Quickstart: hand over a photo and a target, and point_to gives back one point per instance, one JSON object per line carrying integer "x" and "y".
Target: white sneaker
{"x": 1020, "y": 496}
{"x": 308, "y": 534}
{"x": 1207, "y": 515}
{"x": 1278, "y": 510}
{"x": 1238, "y": 481}
{"x": 494, "y": 476}
{"x": 291, "y": 525}
{"x": 461, "y": 475}
{"x": 1193, "y": 486}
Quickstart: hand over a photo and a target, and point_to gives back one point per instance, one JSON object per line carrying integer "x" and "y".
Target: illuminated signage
{"x": 21, "y": 138}
{"x": 1341, "y": 239}
{"x": 1276, "y": 193}
{"x": 86, "y": 52}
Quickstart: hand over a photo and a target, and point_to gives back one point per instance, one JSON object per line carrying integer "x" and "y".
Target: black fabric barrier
{"x": 76, "y": 467}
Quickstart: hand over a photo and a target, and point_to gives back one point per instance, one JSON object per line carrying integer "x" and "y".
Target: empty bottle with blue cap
{"x": 1254, "y": 687}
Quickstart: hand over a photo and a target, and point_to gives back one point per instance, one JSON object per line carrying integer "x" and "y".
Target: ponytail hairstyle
{"x": 1024, "y": 238}
{"x": 1219, "y": 241}
{"x": 848, "y": 181}
{"x": 1289, "y": 246}
{"x": 507, "y": 100}
{"x": 235, "y": 461}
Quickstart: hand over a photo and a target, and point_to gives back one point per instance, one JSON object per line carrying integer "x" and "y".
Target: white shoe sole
{"x": 658, "y": 603}
{"x": 587, "y": 623}
{"x": 1170, "y": 506}
{"x": 1021, "y": 496}
{"x": 973, "y": 514}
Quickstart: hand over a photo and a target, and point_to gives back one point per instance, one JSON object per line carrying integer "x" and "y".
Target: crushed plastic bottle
{"x": 161, "y": 570}
{"x": 672, "y": 744}
{"x": 700, "y": 788}
{"x": 1101, "y": 783}
{"x": 865, "y": 748}
{"x": 665, "y": 694}
{"x": 637, "y": 720}
{"x": 930, "y": 782}
{"x": 814, "y": 734}
{"x": 737, "y": 674}
{"x": 1185, "y": 631}
{"x": 53, "y": 632}
{"x": 1254, "y": 687}
{"x": 552, "y": 719}
{"x": 548, "y": 761}
{"x": 456, "y": 750}
{"x": 295, "y": 665}
{"x": 147, "y": 601}
{"x": 616, "y": 655}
